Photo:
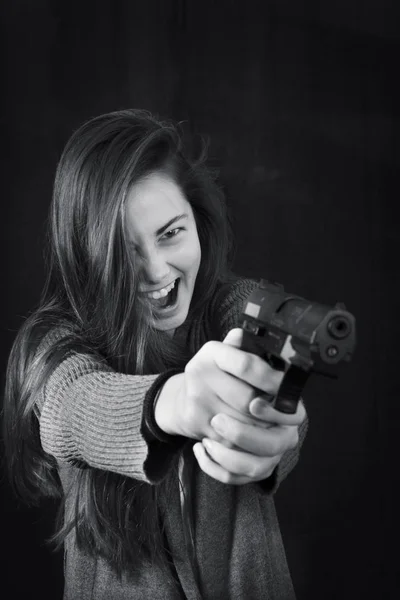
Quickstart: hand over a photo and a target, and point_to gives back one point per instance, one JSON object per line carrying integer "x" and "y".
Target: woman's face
{"x": 162, "y": 233}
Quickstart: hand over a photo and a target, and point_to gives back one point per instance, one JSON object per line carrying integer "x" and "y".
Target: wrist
{"x": 166, "y": 407}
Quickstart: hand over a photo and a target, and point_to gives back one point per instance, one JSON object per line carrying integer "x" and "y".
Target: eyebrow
{"x": 171, "y": 222}
{"x": 165, "y": 227}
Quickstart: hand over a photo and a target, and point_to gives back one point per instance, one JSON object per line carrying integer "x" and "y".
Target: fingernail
{"x": 254, "y": 407}
{"x": 258, "y": 405}
{"x": 196, "y": 449}
{"x": 207, "y": 444}
{"x": 219, "y": 423}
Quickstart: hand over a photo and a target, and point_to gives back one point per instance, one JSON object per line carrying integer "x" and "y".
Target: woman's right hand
{"x": 217, "y": 400}
{"x": 220, "y": 379}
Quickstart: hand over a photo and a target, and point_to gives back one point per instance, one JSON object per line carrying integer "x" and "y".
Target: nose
{"x": 155, "y": 269}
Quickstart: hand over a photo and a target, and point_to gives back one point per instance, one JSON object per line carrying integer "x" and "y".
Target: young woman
{"x": 128, "y": 396}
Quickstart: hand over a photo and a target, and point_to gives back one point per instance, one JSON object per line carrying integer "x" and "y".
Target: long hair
{"x": 92, "y": 290}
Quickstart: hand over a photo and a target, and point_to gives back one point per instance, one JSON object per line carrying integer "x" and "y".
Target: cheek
{"x": 191, "y": 256}
{"x": 196, "y": 255}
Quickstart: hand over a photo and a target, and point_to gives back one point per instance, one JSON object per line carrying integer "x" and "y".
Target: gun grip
{"x": 285, "y": 405}
{"x": 290, "y": 390}
{"x": 293, "y": 382}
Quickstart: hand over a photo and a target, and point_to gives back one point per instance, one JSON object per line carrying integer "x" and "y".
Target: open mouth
{"x": 169, "y": 300}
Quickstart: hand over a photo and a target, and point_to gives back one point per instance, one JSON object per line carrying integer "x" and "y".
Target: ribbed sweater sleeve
{"x": 230, "y": 309}
{"x": 89, "y": 414}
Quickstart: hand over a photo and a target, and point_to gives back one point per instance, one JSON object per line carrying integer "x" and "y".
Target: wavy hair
{"x": 91, "y": 289}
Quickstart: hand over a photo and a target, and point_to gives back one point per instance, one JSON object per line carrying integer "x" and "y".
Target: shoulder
{"x": 229, "y": 302}
{"x": 63, "y": 342}
{"x": 235, "y": 291}
{"x": 51, "y": 336}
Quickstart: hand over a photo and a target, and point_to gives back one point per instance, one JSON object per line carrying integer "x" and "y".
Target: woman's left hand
{"x": 248, "y": 453}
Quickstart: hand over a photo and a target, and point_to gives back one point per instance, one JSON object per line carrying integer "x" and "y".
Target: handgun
{"x": 297, "y": 336}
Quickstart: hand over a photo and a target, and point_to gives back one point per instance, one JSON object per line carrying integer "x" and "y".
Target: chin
{"x": 170, "y": 324}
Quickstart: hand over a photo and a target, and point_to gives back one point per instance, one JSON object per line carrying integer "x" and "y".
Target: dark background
{"x": 301, "y": 105}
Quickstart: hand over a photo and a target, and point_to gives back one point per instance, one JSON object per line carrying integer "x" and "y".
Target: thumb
{"x": 234, "y": 337}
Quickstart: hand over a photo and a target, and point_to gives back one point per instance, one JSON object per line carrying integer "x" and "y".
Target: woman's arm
{"x": 90, "y": 414}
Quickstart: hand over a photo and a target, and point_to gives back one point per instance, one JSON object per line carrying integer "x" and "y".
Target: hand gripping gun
{"x": 297, "y": 336}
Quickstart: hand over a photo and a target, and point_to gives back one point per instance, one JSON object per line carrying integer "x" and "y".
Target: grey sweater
{"x": 90, "y": 414}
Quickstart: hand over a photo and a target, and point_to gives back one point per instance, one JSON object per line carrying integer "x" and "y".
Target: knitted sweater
{"x": 92, "y": 415}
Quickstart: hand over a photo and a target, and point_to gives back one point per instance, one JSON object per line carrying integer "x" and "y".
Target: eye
{"x": 172, "y": 233}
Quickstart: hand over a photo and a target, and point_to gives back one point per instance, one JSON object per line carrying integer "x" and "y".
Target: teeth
{"x": 161, "y": 293}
